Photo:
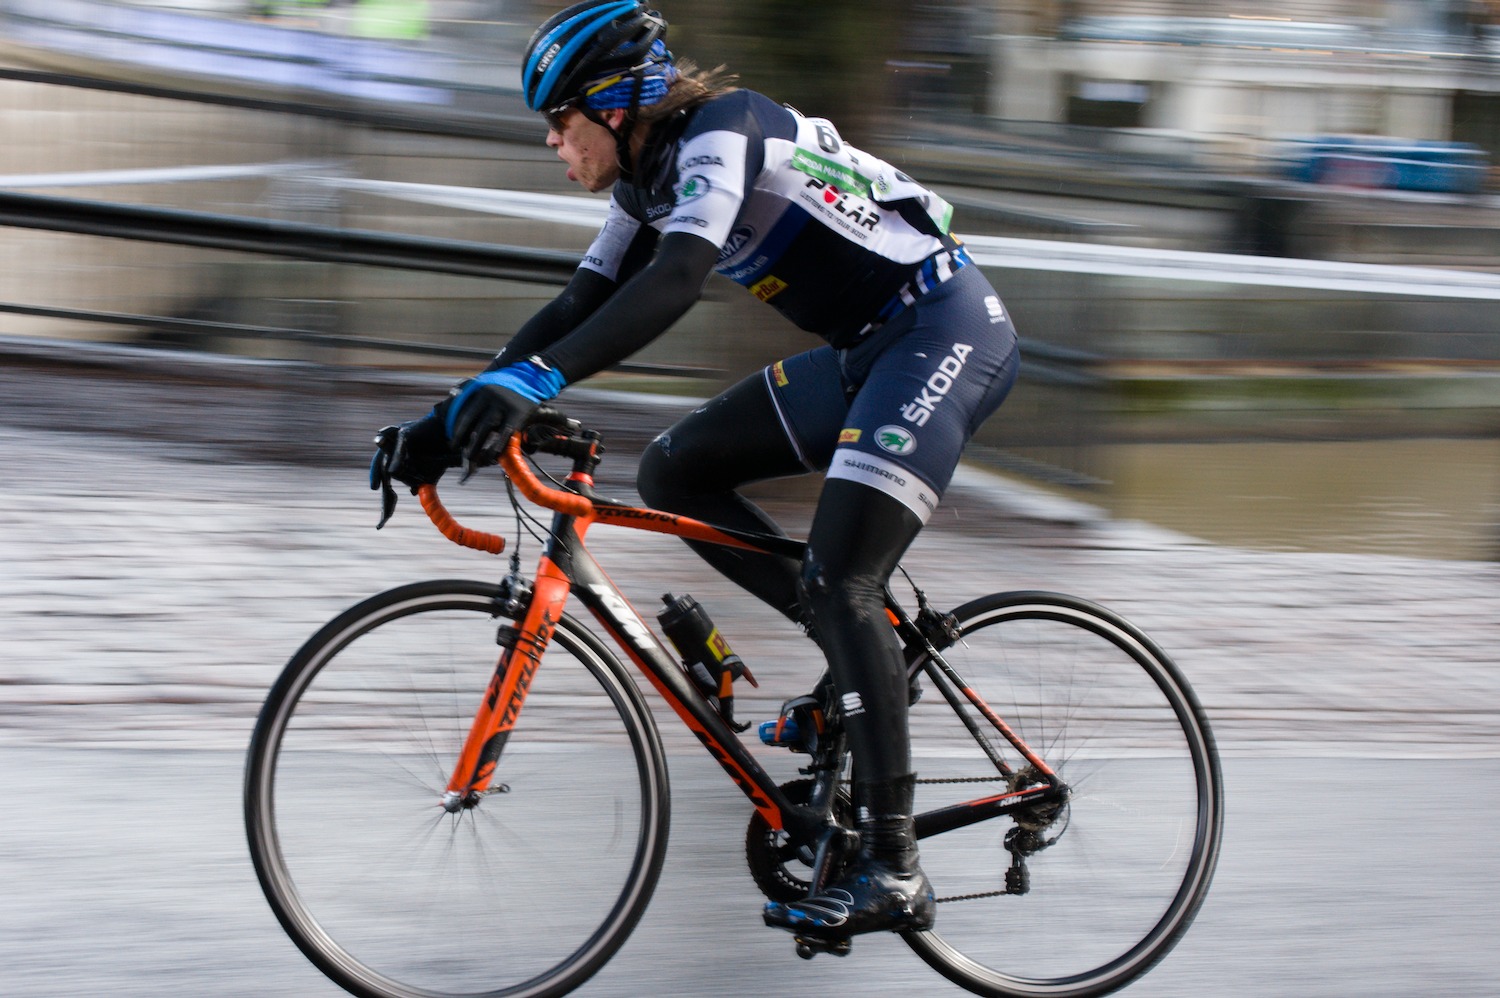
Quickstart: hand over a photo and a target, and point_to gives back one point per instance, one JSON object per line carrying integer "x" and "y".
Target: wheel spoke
{"x": 393, "y": 895}
{"x": 1116, "y": 873}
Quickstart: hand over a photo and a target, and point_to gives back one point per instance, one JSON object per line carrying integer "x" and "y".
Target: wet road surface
{"x": 160, "y": 567}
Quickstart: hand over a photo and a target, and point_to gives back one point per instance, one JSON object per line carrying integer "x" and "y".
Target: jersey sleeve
{"x": 713, "y": 173}
{"x": 608, "y": 252}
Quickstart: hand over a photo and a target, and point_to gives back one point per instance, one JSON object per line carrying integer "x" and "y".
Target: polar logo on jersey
{"x": 895, "y": 439}
{"x": 856, "y": 211}
{"x": 938, "y": 385}
{"x": 693, "y": 188}
{"x": 738, "y": 240}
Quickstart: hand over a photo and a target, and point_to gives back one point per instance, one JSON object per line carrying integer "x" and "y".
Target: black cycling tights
{"x": 858, "y": 536}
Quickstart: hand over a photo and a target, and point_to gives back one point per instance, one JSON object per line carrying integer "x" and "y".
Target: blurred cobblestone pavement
{"x": 174, "y": 529}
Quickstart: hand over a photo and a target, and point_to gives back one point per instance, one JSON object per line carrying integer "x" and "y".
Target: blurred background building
{"x": 1213, "y": 223}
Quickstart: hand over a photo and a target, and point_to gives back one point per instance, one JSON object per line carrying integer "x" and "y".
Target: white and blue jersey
{"x": 920, "y": 349}
{"x": 829, "y": 236}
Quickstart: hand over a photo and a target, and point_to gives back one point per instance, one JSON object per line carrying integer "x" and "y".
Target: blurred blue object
{"x": 1392, "y": 164}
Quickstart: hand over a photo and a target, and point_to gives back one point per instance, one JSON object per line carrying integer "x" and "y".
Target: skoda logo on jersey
{"x": 736, "y": 242}
{"x": 693, "y": 188}
{"x": 895, "y": 439}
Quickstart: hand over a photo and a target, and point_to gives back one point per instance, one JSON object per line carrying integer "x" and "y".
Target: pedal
{"x": 809, "y": 946}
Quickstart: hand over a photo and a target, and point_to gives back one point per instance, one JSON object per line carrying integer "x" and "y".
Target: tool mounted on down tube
{"x": 709, "y": 660}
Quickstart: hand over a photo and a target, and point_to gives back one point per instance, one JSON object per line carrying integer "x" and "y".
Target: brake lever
{"x": 546, "y": 415}
{"x": 535, "y": 436}
{"x": 387, "y": 501}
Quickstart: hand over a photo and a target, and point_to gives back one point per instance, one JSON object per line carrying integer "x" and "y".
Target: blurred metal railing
{"x": 293, "y": 240}
{"x": 503, "y": 120}
{"x": 281, "y": 238}
{"x": 297, "y": 240}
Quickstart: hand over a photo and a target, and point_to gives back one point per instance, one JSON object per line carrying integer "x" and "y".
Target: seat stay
{"x": 962, "y": 697}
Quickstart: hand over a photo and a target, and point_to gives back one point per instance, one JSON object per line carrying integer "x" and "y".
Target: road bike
{"x": 457, "y": 788}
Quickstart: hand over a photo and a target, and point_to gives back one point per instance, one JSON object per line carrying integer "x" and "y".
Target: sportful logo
{"x": 920, "y": 409}
{"x": 895, "y": 439}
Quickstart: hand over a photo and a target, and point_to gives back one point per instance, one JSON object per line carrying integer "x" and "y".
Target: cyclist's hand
{"x": 484, "y": 412}
{"x": 414, "y": 453}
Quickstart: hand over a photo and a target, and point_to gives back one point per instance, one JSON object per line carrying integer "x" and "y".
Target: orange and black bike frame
{"x": 567, "y": 568}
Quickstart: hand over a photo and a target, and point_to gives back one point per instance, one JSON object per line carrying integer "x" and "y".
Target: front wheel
{"x": 527, "y": 892}
{"x": 1109, "y": 880}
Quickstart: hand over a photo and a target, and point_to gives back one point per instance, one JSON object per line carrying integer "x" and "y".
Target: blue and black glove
{"x": 414, "y": 453}
{"x": 484, "y": 412}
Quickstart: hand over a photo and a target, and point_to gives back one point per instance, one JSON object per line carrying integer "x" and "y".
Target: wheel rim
{"x": 1135, "y": 847}
{"x": 389, "y": 894}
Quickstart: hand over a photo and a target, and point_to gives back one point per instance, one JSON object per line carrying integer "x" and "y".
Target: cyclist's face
{"x": 587, "y": 148}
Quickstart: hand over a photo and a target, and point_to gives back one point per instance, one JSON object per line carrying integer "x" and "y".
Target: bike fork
{"x": 507, "y": 690}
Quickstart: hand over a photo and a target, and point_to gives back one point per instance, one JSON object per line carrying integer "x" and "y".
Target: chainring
{"x": 781, "y": 869}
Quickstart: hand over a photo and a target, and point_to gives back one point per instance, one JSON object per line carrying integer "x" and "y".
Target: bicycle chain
{"x": 971, "y": 897}
{"x": 956, "y": 779}
{"x": 943, "y": 779}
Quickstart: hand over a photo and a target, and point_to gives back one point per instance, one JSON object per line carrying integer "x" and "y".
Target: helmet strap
{"x": 626, "y": 130}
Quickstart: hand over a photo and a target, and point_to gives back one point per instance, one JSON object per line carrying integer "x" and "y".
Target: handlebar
{"x": 450, "y": 528}
{"x": 550, "y": 433}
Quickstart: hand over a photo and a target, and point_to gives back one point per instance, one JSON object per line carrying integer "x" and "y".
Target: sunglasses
{"x": 554, "y": 116}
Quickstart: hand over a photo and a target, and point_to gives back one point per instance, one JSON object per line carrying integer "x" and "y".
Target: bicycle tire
{"x": 527, "y": 894}
{"x": 1132, "y": 852}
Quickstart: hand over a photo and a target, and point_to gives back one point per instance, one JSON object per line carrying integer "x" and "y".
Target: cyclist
{"x": 919, "y": 350}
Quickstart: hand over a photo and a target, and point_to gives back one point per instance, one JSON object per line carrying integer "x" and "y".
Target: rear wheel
{"x": 1116, "y": 873}
{"x": 526, "y": 893}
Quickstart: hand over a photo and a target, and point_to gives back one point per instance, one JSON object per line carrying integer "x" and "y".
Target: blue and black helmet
{"x": 600, "y": 54}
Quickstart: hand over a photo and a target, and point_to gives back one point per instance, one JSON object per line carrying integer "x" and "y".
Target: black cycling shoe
{"x": 883, "y": 889}
{"x": 874, "y": 896}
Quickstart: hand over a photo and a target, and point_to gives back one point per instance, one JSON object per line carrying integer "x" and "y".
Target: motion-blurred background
{"x": 1254, "y": 254}
{"x": 356, "y": 183}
